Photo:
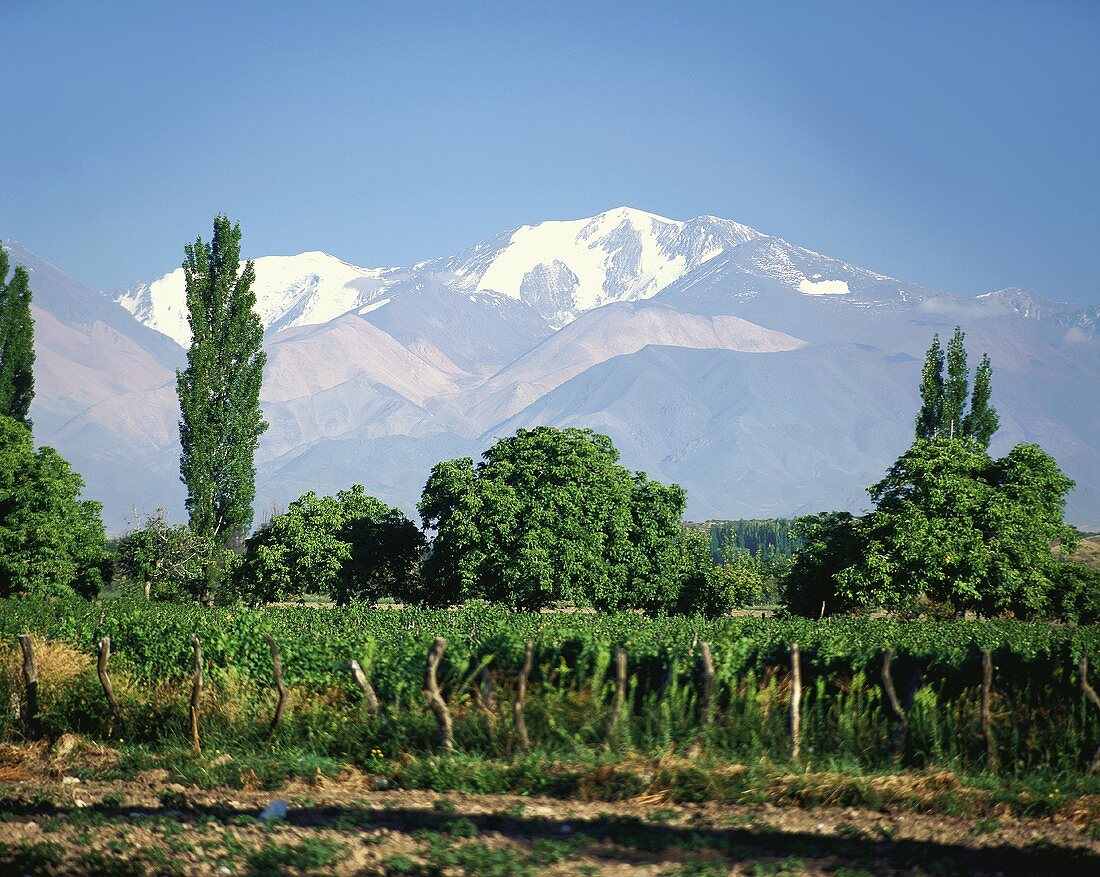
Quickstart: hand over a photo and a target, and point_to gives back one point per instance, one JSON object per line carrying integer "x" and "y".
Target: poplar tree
{"x": 943, "y": 412}
{"x": 955, "y": 387}
{"x": 219, "y": 391}
{"x": 931, "y": 391}
{"x": 981, "y": 420}
{"x": 16, "y": 343}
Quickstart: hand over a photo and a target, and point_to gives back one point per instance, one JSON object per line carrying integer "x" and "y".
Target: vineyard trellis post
{"x": 987, "y": 709}
{"x": 620, "y": 694}
{"x": 196, "y": 693}
{"x": 364, "y": 686}
{"x": 30, "y": 686}
{"x": 523, "y": 742}
{"x": 277, "y": 665}
{"x": 108, "y": 689}
{"x": 796, "y": 703}
{"x": 902, "y": 731}
{"x": 1094, "y": 699}
{"x": 435, "y": 697}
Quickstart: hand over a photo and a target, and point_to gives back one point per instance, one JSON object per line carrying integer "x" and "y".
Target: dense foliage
{"x": 549, "y": 516}
{"x": 51, "y": 541}
{"x": 219, "y": 391}
{"x": 348, "y": 546}
{"x": 1042, "y": 717}
{"x": 953, "y": 530}
{"x": 16, "y": 343}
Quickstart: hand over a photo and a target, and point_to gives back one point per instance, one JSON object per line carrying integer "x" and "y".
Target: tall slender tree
{"x": 219, "y": 391}
{"x": 931, "y": 392}
{"x": 16, "y": 343}
{"x": 981, "y": 420}
{"x": 943, "y": 412}
{"x": 955, "y": 387}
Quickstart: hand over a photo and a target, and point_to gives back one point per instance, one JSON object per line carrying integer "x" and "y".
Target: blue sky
{"x": 953, "y": 144}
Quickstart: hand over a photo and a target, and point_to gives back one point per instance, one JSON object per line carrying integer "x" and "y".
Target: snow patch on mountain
{"x": 823, "y": 287}
{"x": 300, "y": 290}
{"x": 563, "y": 268}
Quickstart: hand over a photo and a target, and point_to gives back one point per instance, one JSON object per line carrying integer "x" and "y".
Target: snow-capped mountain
{"x": 290, "y": 291}
{"x": 765, "y": 378}
{"x": 560, "y": 269}
{"x": 564, "y": 268}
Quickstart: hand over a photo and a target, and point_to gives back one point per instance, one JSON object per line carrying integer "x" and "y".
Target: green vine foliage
{"x": 1043, "y": 722}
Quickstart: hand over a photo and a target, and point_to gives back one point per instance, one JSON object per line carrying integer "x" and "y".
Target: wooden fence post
{"x": 523, "y": 742}
{"x": 987, "y": 712}
{"x": 108, "y": 688}
{"x": 196, "y": 693}
{"x": 30, "y": 684}
{"x": 364, "y": 685}
{"x": 796, "y": 703}
{"x": 435, "y": 697}
{"x": 708, "y": 682}
{"x": 280, "y": 706}
{"x": 1090, "y": 694}
{"x": 902, "y": 731}
{"x": 620, "y": 693}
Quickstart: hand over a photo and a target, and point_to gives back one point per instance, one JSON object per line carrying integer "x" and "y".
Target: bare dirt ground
{"x": 149, "y": 825}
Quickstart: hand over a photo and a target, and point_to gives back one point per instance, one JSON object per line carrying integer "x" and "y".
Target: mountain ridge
{"x": 766, "y": 378}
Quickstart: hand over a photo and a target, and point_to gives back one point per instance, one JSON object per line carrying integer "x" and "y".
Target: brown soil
{"x": 56, "y": 825}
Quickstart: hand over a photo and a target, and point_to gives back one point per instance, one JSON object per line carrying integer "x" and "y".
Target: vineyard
{"x": 624, "y": 683}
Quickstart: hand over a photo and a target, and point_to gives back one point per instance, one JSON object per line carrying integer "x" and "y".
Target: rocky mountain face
{"x": 765, "y": 378}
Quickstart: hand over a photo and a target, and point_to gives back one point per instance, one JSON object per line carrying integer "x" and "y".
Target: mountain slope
{"x": 765, "y": 378}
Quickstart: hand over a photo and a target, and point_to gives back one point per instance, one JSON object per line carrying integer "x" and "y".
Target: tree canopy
{"x": 349, "y": 546}
{"x": 549, "y": 516}
{"x": 51, "y": 541}
{"x": 167, "y": 562}
{"x": 16, "y": 343}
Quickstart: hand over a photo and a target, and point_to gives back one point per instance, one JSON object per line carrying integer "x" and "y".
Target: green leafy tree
{"x": 16, "y": 343}
{"x": 981, "y": 421}
{"x": 930, "y": 415}
{"x": 51, "y": 541}
{"x": 166, "y": 562}
{"x": 955, "y": 386}
{"x": 549, "y": 516}
{"x": 219, "y": 391}
{"x": 953, "y": 531}
{"x": 350, "y": 546}
{"x": 832, "y": 542}
{"x": 943, "y": 410}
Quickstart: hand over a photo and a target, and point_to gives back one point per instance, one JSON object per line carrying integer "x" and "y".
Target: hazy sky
{"x": 953, "y": 144}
